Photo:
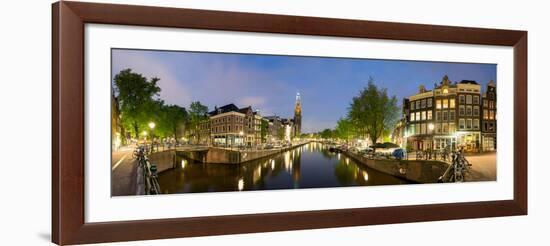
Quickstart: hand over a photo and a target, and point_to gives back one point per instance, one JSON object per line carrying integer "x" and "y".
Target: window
{"x": 476, "y": 124}
{"x": 452, "y": 127}
{"x": 451, "y": 115}
{"x": 476, "y": 110}
{"x": 445, "y": 103}
{"x": 429, "y": 115}
{"x": 468, "y": 123}
{"x": 438, "y": 104}
{"x": 445, "y": 115}
{"x": 468, "y": 99}
{"x": 429, "y": 102}
{"x": 438, "y": 128}
{"x": 412, "y": 105}
{"x": 412, "y": 117}
{"x": 423, "y": 128}
{"x": 461, "y": 124}
{"x": 461, "y": 111}
{"x": 413, "y": 126}
{"x": 438, "y": 115}
{"x": 417, "y": 116}
{"x": 476, "y": 100}
{"x": 423, "y": 103}
{"x": 468, "y": 110}
{"x": 452, "y": 103}
{"x": 491, "y": 115}
{"x": 485, "y": 114}
{"x": 423, "y": 115}
{"x": 445, "y": 128}
{"x": 461, "y": 99}
{"x": 418, "y": 104}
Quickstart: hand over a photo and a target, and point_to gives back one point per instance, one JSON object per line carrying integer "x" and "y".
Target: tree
{"x": 263, "y": 130}
{"x": 281, "y": 132}
{"x": 327, "y": 133}
{"x": 172, "y": 120}
{"x": 135, "y": 95}
{"x": 197, "y": 114}
{"x": 373, "y": 112}
{"x": 345, "y": 129}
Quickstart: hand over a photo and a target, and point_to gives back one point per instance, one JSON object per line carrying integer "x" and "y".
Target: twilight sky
{"x": 269, "y": 83}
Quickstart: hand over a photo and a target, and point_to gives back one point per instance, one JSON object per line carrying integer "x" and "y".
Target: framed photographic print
{"x": 176, "y": 122}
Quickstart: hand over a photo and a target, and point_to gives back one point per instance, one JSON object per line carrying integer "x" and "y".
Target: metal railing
{"x": 456, "y": 172}
{"x": 149, "y": 171}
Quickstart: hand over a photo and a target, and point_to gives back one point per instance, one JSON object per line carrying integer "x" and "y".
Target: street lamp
{"x": 152, "y": 126}
{"x": 431, "y": 128}
{"x": 241, "y": 133}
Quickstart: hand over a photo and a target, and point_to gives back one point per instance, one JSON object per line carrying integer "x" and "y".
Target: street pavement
{"x": 123, "y": 172}
{"x": 484, "y": 166}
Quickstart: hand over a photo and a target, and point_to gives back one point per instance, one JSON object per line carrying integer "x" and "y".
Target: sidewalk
{"x": 484, "y": 167}
{"x": 123, "y": 172}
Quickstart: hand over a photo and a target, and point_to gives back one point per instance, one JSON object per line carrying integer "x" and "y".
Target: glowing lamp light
{"x": 240, "y": 184}
{"x": 152, "y": 125}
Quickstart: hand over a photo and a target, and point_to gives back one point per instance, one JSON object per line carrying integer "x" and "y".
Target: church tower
{"x": 298, "y": 115}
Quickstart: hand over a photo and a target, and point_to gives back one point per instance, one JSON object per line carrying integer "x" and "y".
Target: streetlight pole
{"x": 241, "y": 133}
{"x": 152, "y": 127}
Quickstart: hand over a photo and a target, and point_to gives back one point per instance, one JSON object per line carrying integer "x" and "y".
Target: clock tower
{"x": 298, "y": 115}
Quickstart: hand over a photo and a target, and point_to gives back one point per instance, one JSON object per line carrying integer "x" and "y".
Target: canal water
{"x": 309, "y": 166}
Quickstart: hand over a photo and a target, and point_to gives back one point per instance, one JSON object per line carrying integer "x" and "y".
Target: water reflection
{"x": 308, "y": 166}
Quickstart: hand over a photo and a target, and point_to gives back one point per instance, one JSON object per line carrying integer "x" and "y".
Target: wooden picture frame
{"x": 68, "y": 223}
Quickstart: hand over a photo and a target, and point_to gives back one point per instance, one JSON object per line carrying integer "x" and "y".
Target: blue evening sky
{"x": 269, "y": 83}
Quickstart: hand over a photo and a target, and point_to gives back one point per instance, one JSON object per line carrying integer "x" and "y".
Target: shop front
{"x": 469, "y": 141}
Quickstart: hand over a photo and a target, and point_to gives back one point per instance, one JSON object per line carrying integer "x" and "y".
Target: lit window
{"x": 438, "y": 104}
{"x": 412, "y": 105}
{"x": 445, "y": 115}
{"x": 412, "y": 117}
{"x": 429, "y": 115}
{"x": 452, "y": 115}
{"x": 429, "y": 102}
{"x": 461, "y": 124}
{"x": 485, "y": 114}
{"x": 417, "y": 115}
{"x": 461, "y": 111}
{"x": 452, "y": 127}
{"x": 423, "y": 115}
{"x": 452, "y": 103}
{"x": 468, "y": 123}
{"x": 469, "y": 110}
{"x": 468, "y": 99}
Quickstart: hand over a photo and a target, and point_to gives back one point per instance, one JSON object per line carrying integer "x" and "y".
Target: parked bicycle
{"x": 150, "y": 177}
